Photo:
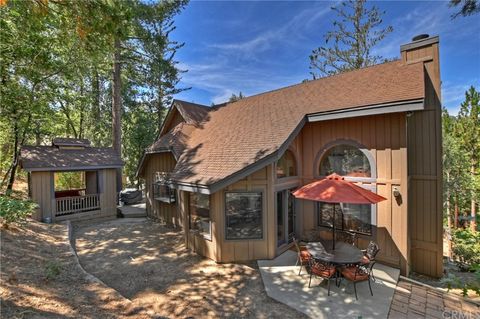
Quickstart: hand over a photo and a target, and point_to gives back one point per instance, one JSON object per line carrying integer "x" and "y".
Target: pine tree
{"x": 354, "y": 36}
{"x": 468, "y": 132}
{"x": 468, "y": 7}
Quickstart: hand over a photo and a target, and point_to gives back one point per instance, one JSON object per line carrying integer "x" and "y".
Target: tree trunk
{"x": 117, "y": 108}
{"x": 13, "y": 170}
{"x": 117, "y": 100}
{"x": 455, "y": 223}
{"x": 449, "y": 218}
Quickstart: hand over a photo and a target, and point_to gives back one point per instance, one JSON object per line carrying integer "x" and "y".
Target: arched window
{"x": 353, "y": 163}
{"x": 286, "y": 165}
{"x": 345, "y": 160}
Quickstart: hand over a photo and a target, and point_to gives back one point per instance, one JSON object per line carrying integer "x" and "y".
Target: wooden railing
{"x": 77, "y": 204}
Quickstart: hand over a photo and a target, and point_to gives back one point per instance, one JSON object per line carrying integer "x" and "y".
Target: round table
{"x": 343, "y": 254}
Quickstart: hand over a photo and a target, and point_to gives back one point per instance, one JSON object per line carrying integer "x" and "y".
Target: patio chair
{"x": 356, "y": 274}
{"x": 322, "y": 270}
{"x": 303, "y": 257}
{"x": 346, "y": 237}
{"x": 369, "y": 255}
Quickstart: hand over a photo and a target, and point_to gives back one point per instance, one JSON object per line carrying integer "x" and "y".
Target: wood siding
{"x": 384, "y": 136}
{"x": 42, "y": 190}
{"x": 167, "y": 213}
{"x": 425, "y": 169}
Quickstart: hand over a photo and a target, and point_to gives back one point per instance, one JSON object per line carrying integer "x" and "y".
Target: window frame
{"x": 262, "y": 216}
{"x": 296, "y": 166}
{"x": 371, "y": 160}
{"x": 204, "y": 235}
{"x": 366, "y": 182}
{"x": 161, "y": 179}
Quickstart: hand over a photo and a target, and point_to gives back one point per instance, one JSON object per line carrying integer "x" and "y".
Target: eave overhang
{"x": 375, "y": 109}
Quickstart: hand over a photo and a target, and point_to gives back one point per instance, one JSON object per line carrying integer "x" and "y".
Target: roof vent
{"x": 420, "y": 37}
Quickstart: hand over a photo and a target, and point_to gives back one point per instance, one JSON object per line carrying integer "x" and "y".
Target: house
{"x": 96, "y": 169}
{"x": 224, "y": 174}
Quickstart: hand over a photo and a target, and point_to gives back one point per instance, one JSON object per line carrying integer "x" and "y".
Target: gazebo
{"x": 97, "y": 166}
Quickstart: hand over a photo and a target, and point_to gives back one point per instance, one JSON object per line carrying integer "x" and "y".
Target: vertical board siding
{"x": 43, "y": 193}
{"x": 425, "y": 175}
{"x": 238, "y": 250}
{"x": 167, "y": 213}
{"x": 385, "y": 137}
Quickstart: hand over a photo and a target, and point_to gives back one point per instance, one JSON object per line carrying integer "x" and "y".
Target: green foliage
{"x": 356, "y": 32}
{"x": 69, "y": 180}
{"x": 52, "y": 269}
{"x": 466, "y": 253}
{"x": 15, "y": 210}
{"x": 235, "y": 97}
{"x": 139, "y": 128}
{"x": 56, "y": 61}
{"x": 466, "y": 247}
{"x": 461, "y": 156}
{"x": 468, "y": 7}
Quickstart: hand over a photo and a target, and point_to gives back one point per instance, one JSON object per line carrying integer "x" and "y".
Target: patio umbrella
{"x": 335, "y": 189}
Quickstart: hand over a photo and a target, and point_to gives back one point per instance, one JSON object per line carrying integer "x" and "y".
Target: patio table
{"x": 342, "y": 255}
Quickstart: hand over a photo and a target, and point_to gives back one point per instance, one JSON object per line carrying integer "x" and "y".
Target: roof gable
{"x": 51, "y": 158}
{"x": 244, "y": 132}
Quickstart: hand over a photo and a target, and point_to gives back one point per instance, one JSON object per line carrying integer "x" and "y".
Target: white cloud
{"x": 291, "y": 30}
{"x": 433, "y": 18}
{"x": 221, "y": 80}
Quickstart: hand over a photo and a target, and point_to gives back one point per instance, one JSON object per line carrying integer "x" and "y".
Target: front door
{"x": 285, "y": 217}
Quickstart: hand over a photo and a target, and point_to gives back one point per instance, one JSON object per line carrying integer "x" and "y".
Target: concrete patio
{"x": 282, "y": 283}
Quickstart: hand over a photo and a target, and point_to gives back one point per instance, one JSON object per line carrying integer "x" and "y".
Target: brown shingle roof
{"x": 241, "y": 133}
{"x": 174, "y": 140}
{"x": 192, "y": 113}
{"x": 50, "y": 158}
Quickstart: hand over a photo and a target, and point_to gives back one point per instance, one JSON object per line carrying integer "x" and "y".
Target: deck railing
{"x": 77, "y": 204}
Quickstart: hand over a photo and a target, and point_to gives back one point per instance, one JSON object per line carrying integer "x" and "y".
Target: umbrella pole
{"x": 333, "y": 224}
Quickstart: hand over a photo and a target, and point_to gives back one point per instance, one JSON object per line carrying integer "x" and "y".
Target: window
{"x": 243, "y": 215}
{"x": 351, "y": 162}
{"x": 199, "y": 214}
{"x": 161, "y": 190}
{"x": 345, "y": 160}
{"x": 286, "y": 165}
{"x": 350, "y": 217}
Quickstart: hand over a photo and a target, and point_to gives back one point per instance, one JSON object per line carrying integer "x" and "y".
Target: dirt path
{"x": 150, "y": 265}
{"x": 40, "y": 278}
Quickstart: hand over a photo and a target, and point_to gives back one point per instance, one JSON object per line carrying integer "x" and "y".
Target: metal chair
{"x": 303, "y": 257}
{"x": 369, "y": 255}
{"x": 356, "y": 274}
{"x": 322, "y": 270}
{"x": 347, "y": 237}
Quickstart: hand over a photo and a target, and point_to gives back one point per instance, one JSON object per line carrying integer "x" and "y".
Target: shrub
{"x": 452, "y": 281}
{"x": 466, "y": 248}
{"x": 52, "y": 269}
{"x": 15, "y": 210}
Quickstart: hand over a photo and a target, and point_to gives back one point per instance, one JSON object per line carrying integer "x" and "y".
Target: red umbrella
{"x": 335, "y": 189}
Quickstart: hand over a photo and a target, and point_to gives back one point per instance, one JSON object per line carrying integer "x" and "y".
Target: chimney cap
{"x": 420, "y": 37}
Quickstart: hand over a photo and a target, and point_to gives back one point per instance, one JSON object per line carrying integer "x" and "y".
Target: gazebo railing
{"x": 77, "y": 204}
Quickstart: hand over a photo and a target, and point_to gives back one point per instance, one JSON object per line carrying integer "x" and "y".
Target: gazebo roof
{"x": 68, "y": 155}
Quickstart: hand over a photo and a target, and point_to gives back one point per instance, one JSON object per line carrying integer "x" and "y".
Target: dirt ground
{"x": 149, "y": 264}
{"x": 39, "y": 278}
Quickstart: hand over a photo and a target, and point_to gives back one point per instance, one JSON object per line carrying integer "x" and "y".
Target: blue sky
{"x": 254, "y": 47}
